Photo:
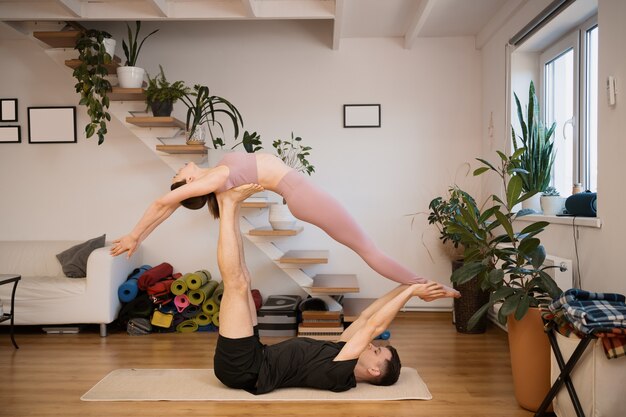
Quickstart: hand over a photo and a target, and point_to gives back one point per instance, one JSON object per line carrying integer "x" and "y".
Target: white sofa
{"x": 46, "y": 296}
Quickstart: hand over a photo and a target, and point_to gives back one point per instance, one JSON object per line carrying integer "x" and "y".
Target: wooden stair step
{"x": 335, "y": 284}
{"x": 256, "y": 204}
{"x": 353, "y": 307}
{"x": 150, "y": 121}
{"x": 127, "y": 94}
{"x": 58, "y": 39}
{"x": 111, "y": 68}
{"x": 268, "y": 231}
{"x": 305, "y": 257}
{"x": 182, "y": 149}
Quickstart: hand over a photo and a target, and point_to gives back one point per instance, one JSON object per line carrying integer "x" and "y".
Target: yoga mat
{"x": 215, "y": 319}
{"x": 205, "y": 292}
{"x": 179, "y": 286}
{"x": 181, "y": 302}
{"x": 128, "y": 290}
{"x": 138, "y": 271}
{"x": 191, "y": 311}
{"x": 217, "y": 295}
{"x": 197, "y": 279}
{"x": 187, "y": 326}
{"x": 202, "y": 385}
{"x": 154, "y": 275}
{"x": 210, "y": 307}
{"x": 202, "y": 319}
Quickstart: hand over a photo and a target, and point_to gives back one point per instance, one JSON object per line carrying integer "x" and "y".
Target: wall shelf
{"x": 57, "y": 39}
{"x": 127, "y": 94}
{"x": 111, "y": 68}
{"x": 182, "y": 149}
{"x": 150, "y": 121}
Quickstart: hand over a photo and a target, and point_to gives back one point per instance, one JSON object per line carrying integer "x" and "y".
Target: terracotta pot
{"x": 530, "y": 359}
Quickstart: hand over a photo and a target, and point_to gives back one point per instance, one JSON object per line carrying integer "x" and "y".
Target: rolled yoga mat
{"x": 187, "y": 326}
{"x": 217, "y": 295}
{"x": 210, "y": 307}
{"x": 202, "y": 319}
{"x": 181, "y": 302}
{"x": 216, "y": 319}
{"x": 179, "y": 286}
{"x": 197, "y": 279}
{"x": 129, "y": 290}
{"x": 197, "y": 297}
{"x": 191, "y": 311}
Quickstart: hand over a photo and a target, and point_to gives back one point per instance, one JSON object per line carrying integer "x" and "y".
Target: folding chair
{"x": 566, "y": 370}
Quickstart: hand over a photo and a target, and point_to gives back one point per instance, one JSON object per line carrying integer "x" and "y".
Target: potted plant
{"x": 442, "y": 213}
{"x": 131, "y": 76}
{"x": 551, "y": 202}
{"x": 161, "y": 95}
{"x": 92, "y": 84}
{"x": 203, "y": 108}
{"x": 251, "y": 142}
{"x": 294, "y": 154}
{"x": 539, "y": 153}
{"x": 510, "y": 266}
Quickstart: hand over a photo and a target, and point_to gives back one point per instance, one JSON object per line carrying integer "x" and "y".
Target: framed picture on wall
{"x": 52, "y": 124}
{"x": 10, "y": 134}
{"x": 361, "y": 115}
{"x": 8, "y": 110}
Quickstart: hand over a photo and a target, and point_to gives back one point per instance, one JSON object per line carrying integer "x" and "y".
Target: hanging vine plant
{"x": 92, "y": 84}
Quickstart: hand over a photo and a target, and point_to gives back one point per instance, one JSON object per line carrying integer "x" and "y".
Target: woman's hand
{"x": 124, "y": 244}
{"x": 429, "y": 291}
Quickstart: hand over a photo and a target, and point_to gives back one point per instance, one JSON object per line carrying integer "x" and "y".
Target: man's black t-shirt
{"x": 304, "y": 362}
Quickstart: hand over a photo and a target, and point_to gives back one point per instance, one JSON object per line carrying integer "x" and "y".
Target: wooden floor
{"x": 468, "y": 375}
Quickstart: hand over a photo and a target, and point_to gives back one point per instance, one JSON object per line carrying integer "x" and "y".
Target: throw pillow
{"x": 74, "y": 260}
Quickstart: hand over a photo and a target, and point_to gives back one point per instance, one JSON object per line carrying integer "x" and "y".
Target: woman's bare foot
{"x": 238, "y": 194}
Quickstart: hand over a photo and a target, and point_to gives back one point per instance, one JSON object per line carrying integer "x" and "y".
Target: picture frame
{"x": 361, "y": 115}
{"x": 10, "y": 134}
{"x": 55, "y": 124}
{"x": 8, "y": 110}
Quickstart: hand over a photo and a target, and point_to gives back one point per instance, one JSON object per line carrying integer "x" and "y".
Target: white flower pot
{"x": 552, "y": 205}
{"x": 130, "y": 77}
{"x": 109, "y": 46}
{"x": 533, "y": 203}
{"x": 281, "y": 218}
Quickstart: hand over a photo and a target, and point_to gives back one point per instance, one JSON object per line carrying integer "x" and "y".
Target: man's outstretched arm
{"x": 382, "y": 313}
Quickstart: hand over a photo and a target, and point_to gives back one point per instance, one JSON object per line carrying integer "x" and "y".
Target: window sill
{"x": 576, "y": 221}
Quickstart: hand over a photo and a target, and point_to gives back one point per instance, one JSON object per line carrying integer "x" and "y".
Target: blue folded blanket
{"x": 588, "y": 310}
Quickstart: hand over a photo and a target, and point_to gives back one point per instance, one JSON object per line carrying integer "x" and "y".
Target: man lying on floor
{"x": 242, "y": 361}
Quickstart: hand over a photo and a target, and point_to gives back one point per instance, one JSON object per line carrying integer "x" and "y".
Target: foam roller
{"x": 197, "y": 297}
{"x": 197, "y": 279}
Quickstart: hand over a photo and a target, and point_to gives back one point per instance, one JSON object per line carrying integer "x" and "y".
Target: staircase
{"x": 165, "y": 137}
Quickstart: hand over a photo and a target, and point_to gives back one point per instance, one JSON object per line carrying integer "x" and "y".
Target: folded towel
{"x": 154, "y": 275}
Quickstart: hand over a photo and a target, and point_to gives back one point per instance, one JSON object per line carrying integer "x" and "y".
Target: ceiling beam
{"x": 74, "y": 7}
{"x": 417, "y": 22}
{"x": 160, "y": 6}
{"x": 338, "y": 23}
{"x": 250, "y": 6}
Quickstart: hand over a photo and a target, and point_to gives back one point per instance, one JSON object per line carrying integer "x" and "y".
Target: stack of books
{"x": 321, "y": 325}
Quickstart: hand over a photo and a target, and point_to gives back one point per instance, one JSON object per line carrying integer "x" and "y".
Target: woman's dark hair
{"x": 391, "y": 369}
{"x": 192, "y": 203}
{"x": 214, "y": 208}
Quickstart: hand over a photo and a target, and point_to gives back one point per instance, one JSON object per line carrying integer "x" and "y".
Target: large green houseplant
{"x": 92, "y": 84}
{"x": 509, "y": 265}
{"x": 537, "y": 141}
{"x": 204, "y": 108}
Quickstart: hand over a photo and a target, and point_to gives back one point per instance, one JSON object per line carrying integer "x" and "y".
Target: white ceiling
{"x": 408, "y": 19}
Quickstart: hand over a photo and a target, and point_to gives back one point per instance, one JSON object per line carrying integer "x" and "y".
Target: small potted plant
{"x": 539, "y": 153}
{"x": 202, "y": 107}
{"x": 131, "y": 76}
{"x": 551, "y": 202}
{"x": 161, "y": 95}
{"x": 92, "y": 84}
{"x": 294, "y": 154}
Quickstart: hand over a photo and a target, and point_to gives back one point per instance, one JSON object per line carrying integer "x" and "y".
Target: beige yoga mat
{"x": 202, "y": 385}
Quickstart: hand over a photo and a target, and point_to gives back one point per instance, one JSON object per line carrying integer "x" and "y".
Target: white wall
{"x": 283, "y": 77}
{"x": 599, "y": 250}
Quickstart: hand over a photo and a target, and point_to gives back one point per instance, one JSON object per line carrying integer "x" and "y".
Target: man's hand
{"x": 124, "y": 244}
{"x": 428, "y": 291}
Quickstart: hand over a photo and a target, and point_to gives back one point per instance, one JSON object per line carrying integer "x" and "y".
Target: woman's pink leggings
{"x": 312, "y": 205}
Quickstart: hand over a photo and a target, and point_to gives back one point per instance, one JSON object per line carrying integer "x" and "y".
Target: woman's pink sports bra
{"x": 243, "y": 170}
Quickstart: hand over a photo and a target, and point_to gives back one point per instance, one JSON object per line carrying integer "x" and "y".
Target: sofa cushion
{"x": 32, "y": 258}
{"x": 74, "y": 260}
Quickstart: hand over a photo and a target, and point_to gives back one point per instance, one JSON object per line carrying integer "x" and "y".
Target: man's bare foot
{"x": 238, "y": 194}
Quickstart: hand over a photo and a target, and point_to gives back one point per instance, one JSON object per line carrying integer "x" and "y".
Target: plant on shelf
{"x": 161, "y": 94}
{"x": 92, "y": 84}
{"x": 131, "y": 76}
{"x": 510, "y": 265}
{"x": 551, "y": 202}
{"x": 538, "y": 144}
{"x": 204, "y": 108}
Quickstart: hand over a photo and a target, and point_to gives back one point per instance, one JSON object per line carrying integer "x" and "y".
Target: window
{"x": 569, "y": 94}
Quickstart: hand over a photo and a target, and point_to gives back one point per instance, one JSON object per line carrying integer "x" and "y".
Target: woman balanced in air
{"x": 193, "y": 187}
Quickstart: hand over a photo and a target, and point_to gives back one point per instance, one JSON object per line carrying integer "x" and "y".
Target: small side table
{"x": 7, "y": 279}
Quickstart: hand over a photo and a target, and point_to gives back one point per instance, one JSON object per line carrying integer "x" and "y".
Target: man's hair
{"x": 390, "y": 369}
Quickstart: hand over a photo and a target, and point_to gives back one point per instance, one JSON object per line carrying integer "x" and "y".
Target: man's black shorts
{"x": 237, "y": 361}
